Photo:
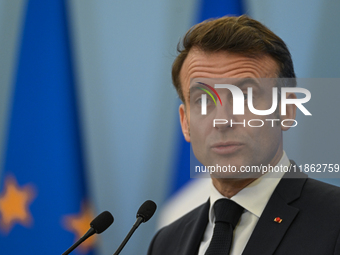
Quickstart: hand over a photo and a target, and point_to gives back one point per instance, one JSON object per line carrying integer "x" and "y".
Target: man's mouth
{"x": 225, "y": 148}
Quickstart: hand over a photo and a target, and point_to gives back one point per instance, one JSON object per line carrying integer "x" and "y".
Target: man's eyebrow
{"x": 196, "y": 84}
{"x": 247, "y": 81}
{"x": 194, "y": 87}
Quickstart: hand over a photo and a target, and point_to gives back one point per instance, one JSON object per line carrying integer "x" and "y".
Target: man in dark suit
{"x": 274, "y": 212}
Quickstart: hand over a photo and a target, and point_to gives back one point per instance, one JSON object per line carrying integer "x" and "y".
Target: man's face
{"x": 225, "y": 145}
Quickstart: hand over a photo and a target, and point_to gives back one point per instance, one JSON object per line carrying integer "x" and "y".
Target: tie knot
{"x": 227, "y": 211}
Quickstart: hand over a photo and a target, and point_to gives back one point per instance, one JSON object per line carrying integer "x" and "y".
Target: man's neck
{"x": 230, "y": 187}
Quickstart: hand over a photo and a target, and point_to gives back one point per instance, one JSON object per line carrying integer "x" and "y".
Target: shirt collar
{"x": 255, "y": 196}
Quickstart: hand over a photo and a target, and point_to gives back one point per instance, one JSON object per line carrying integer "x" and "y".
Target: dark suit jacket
{"x": 310, "y": 213}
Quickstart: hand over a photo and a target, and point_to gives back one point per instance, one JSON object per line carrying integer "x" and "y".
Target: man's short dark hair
{"x": 241, "y": 35}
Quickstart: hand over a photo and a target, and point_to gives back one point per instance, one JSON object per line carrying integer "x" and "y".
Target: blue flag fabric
{"x": 208, "y": 9}
{"x": 43, "y": 203}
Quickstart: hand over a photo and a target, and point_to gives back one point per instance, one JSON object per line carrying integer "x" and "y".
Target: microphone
{"x": 98, "y": 225}
{"x": 145, "y": 212}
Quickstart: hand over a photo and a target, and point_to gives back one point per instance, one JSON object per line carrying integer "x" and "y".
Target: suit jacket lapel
{"x": 268, "y": 234}
{"x": 193, "y": 232}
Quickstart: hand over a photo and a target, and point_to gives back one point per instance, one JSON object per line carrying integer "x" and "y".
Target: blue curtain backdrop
{"x": 207, "y": 9}
{"x": 43, "y": 203}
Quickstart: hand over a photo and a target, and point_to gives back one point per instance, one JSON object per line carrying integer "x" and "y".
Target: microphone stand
{"x": 89, "y": 233}
{"x": 133, "y": 229}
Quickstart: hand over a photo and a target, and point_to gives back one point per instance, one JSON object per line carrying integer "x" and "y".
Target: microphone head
{"x": 102, "y": 222}
{"x": 147, "y": 210}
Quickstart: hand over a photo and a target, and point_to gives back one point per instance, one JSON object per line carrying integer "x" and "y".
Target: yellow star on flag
{"x": 79, "y": 224}
{"x": 14, "y": 204}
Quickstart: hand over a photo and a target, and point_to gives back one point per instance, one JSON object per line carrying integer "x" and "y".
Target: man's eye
{"x": 199, "y": 101}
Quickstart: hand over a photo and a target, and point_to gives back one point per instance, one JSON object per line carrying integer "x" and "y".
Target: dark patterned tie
{"x": 227, "y": 215}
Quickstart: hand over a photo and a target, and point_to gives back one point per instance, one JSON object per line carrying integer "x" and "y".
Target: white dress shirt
{"x": 253, "y": 198}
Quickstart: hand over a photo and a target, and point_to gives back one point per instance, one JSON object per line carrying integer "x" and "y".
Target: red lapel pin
{"x": 278, "y": 220}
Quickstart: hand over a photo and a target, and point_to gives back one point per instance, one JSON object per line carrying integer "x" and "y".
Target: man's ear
{"x": 184, "y": 123}
{"x": 290, "y": 112}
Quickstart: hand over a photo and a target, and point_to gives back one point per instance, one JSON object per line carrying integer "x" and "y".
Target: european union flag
{"x": 43, "y": 203}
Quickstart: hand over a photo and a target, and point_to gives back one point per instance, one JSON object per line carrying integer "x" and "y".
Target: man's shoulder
{"x": 318, "y": 200}
{"x": 321, "y": 192}
{"x": 323, "y": 185}
{"x": 308, "y": 190}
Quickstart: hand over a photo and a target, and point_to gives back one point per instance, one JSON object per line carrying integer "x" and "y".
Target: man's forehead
{"x": 215, "y": 65}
